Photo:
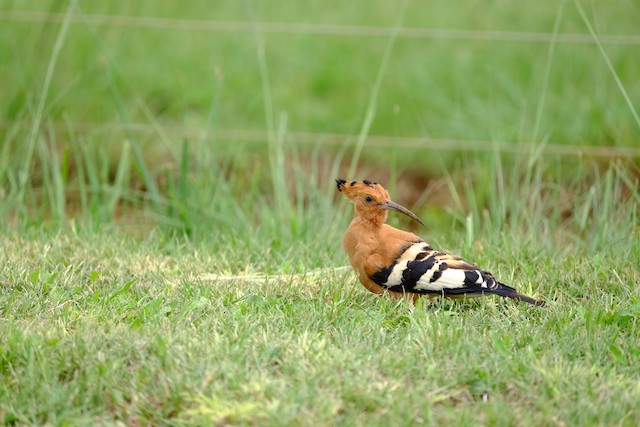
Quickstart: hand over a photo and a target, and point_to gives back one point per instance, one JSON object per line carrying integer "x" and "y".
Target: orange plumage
{"x": 401, "y": 264}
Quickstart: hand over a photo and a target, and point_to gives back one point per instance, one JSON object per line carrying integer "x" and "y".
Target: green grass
{"x": 170, "y": 240}
{"x": 102, "y": 327}
{"x": 442, "y": 88}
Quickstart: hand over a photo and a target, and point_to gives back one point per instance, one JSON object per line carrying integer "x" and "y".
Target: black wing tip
{"x": 509, "y": 292}
{"x": 511, "y": 295}
{"x": 532, "y": 301}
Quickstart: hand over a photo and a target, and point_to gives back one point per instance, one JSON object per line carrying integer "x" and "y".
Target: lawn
{"x": 170, "y": 230}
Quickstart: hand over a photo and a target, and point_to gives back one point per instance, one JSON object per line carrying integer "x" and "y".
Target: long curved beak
{"x": 400, "y": 208}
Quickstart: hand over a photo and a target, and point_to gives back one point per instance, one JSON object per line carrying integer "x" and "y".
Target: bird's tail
{"x": 509, "y": 292}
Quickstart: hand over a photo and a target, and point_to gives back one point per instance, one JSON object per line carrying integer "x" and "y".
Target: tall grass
{"x": 280, "y": 205}
{"x": 34, "y": 131}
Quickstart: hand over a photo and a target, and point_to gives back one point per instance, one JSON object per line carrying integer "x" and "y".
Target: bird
{"x": 401, "y": 264}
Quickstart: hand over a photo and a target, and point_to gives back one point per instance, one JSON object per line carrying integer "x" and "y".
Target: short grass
{"x": 99, "y": 327}
{"x": 103, "y": 328}
{"x": 170, "y": 238}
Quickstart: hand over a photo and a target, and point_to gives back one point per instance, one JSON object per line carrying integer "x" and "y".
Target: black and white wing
{"x": 423, "y": 270}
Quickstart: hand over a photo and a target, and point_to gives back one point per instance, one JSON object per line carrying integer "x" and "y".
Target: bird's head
{"x": 371, "y": 200}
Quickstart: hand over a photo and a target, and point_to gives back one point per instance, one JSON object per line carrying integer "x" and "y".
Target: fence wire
{"x": 259, "y": 136}
{"x": 317, "y": 29}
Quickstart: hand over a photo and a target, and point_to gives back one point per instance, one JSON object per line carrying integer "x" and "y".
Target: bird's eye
{"x": 368, "y": 199}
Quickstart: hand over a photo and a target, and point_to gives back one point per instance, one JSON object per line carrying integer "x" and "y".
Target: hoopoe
{"x": 400, "y": 263}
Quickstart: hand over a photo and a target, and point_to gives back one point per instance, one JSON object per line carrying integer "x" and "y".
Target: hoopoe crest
{"x": 397, "y": 262}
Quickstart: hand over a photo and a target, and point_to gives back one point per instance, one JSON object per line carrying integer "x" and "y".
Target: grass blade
{"x": 42, "y": 99}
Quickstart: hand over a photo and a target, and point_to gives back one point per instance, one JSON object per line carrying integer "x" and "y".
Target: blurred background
{"x": 230, "y": 120}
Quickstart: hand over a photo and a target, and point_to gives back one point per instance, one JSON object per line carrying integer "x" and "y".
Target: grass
{"x": 158, "y": 267}
{"x": 477, "y": 89}
{"x": 101, "y": 328}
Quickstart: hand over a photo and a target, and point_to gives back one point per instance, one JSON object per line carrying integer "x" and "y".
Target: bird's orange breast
{"x": 372, "y": 250}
